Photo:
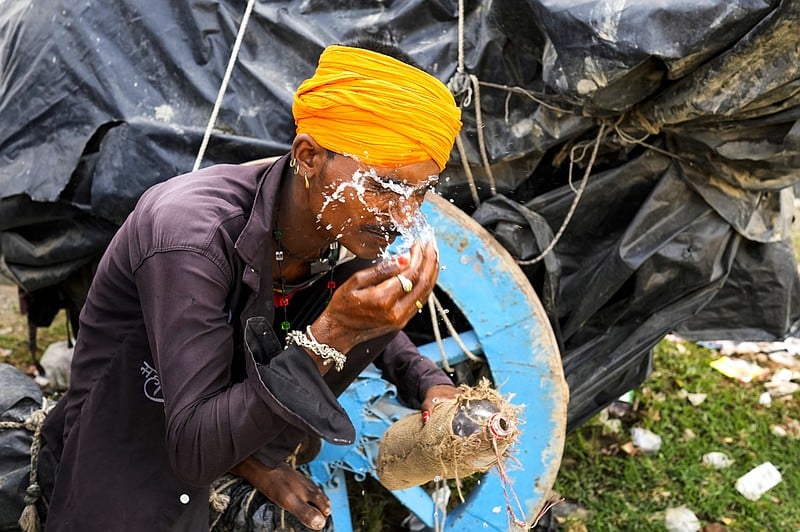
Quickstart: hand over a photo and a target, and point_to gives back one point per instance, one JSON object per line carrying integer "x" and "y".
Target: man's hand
{"x": 289, "y": 489}
{"x": 374, "y": 301}
{"x": 434, "y": 397}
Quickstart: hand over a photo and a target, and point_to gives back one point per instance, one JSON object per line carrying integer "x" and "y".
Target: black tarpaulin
{"x": 684, "y": 221}
{"x": 19, "y": 398}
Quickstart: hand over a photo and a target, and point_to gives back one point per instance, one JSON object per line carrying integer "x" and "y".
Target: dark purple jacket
{"x": 178, "y": 374}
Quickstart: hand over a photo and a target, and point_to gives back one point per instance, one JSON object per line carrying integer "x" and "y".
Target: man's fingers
{"x": 311, "y": 517}
{"x": 380, "y": 272}
{"x": 321, "y": 501}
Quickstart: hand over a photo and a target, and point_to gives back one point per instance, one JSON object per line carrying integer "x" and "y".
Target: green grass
{"x": 632, "y": 492}
{"x": 14, "y": 337}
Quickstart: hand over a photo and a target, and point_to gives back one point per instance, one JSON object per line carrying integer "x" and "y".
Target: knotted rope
{"x": 29, "y": 520}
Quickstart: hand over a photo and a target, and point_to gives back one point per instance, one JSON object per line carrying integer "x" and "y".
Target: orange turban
{"x": 377, "y": 109}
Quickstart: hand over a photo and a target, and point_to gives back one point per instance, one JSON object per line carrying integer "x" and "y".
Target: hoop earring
{"x": 305, "y": 177}
{"x": 293, "y": 164}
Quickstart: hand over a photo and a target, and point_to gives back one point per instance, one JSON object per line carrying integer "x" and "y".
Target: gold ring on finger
{"x": 406, "y": 283}
{"x": 418, "y": 303}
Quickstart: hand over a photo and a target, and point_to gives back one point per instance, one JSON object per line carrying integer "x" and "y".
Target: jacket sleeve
{"x": 403, "y": 365}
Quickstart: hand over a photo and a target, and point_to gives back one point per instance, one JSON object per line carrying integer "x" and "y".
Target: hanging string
{"x": 462, "y": 154}
{"x": 224, "y": 86}
{"x": 479, "y": 127}
{"x": 433, "y": 303}
{"x": 505, "y": 482}
{"x": 578, "y": 194}
{"x": 460, "y": 68}
{"x": 438, "y": 335}
{"x": 539, "y": 98}
{"x": 468, "y": 85}
{"x": 549, "y": 505}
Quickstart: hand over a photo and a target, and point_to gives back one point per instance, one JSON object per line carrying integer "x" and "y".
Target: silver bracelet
{"x": 327, "y": 353}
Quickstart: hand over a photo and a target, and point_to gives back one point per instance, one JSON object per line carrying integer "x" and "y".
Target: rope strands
{"x": 29, "y": 520}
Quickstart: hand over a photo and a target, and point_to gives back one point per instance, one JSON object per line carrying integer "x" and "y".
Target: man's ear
{"x": 310, "y": 156}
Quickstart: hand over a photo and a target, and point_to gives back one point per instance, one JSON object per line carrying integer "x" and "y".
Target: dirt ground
{"x": 12, "y": 323}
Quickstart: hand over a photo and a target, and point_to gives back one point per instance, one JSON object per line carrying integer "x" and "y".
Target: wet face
{"x": 366, "y": 206}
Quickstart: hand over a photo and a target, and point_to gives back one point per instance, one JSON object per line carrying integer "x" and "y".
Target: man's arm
{"x": 415, "y": 375}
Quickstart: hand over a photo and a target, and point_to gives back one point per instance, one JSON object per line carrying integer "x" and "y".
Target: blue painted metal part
{"x": 512, "y": 331}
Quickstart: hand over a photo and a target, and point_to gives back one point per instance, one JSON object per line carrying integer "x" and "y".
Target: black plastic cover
{"x": 684, "y": 224}
{"x": 19, "y": 398}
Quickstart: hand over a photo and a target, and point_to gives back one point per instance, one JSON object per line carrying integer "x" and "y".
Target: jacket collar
{"x": 254, "y": 244}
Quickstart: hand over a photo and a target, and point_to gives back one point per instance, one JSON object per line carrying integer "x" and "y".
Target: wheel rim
{"x": 511, "y": 330}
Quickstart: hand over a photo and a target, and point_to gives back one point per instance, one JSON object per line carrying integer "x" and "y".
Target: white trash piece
{"x": 681, "y": 519}
{"x": 56, "y": 362}
{"x": 648, "y": 442}
{"x": 717, "y": 460}
{"x": 758, "y": 481}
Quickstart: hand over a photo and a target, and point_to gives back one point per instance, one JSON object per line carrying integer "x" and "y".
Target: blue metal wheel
{"x": 509, "y": 328}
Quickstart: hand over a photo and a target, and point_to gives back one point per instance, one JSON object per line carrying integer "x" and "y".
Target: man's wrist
{"x": 328, "y": 355}
{"x": 326, "y": 332}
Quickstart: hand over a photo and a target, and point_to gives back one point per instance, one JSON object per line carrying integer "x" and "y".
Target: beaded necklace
{"x": 283, "y": 292}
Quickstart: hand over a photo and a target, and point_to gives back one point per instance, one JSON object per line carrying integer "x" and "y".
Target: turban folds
{"x": 377, "y": 109}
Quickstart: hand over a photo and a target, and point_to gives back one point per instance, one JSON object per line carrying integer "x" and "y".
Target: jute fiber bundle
{"x": 412, "y": 454}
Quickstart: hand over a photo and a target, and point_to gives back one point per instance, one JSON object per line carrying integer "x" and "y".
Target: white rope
{"x": 575, "y": 201}
{"x": 452, "y": 330}
{"x": 224, "y": 86}
{"x": 468, "y": 85}
{"x": 437, "y": 333}
{"x": 460, "y": 36}
{"x": 479, "y": 127}
{"x": 462, "y": 154}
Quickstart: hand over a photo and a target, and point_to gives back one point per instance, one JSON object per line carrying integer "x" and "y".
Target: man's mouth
{"x": 388, "y": 234}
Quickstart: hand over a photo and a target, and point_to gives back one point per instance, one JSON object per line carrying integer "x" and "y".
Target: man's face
{"x": 365, "y": 206}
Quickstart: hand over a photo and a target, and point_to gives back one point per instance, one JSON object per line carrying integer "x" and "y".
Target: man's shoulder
{"x": 190, "y": 210}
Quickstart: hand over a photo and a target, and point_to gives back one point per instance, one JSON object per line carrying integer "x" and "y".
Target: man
{"x": 222, "y": 320}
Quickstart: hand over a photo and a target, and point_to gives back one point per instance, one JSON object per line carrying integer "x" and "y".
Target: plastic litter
{"x": 781, "y": 388}
{"x": 681, "y": 519}
{"x": 717, "y": 460}
{"x": 646, "y": 441}
{"x": 696, "y": 399}
{"x": 779, "y": 431}
{"x": 19, "y": 397}
{"x": 785, "y": 358}
{"x": 758, "y": 481}
{"x": 56, "y": 361}
{"x": 739, "y": 369}
{"x": 781, "y": 383}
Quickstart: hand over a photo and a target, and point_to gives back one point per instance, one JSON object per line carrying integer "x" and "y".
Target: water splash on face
{"x": 418, "y": 231}
{"x": 412, "y": 226}
{"x": 339, "y": 195}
